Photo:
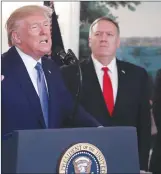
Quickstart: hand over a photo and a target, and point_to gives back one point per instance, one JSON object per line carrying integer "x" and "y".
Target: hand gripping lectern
{"x": 77, "y": 150}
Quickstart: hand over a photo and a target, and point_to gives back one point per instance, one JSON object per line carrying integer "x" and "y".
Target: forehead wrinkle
{"x": 104, "y": 24}
{"x": 36, "y": 22}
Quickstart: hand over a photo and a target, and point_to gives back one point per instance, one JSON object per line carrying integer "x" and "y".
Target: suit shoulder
{"x": 9, "y": 55}
{"x": 158, "y": 78}
{"x": 68, "y": 68}
{"x": 159, "y": 73}
{"x": 51, "y": 63}
{"x": 74, "y": 67}
{"x": 4, "y": 56}
{"x": 133, "y": 68}
{"x": 5, "y": 59}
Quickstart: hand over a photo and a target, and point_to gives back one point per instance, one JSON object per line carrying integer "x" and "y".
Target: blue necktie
{"x": 42, "y": 90}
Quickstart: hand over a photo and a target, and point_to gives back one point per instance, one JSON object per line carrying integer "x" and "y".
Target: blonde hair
{"x": 22, "y": 12}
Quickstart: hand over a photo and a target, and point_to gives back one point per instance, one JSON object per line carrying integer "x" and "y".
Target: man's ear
{"x": 89, "y": 42}
{"x": 118, "y": 42}
{"x": 15, "y": 37}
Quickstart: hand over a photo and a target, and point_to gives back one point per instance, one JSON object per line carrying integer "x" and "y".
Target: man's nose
{"x": 104, "y": 37}
{"x": 42, "y": 30}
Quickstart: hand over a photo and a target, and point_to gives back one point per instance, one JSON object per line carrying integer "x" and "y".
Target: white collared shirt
{"x": 112, "y": 73}
{"x": 30, "y": 64}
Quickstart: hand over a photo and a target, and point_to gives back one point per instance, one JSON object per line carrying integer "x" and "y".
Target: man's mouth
{"x": 103, "y": 46}
{"x": 44, "y": 41}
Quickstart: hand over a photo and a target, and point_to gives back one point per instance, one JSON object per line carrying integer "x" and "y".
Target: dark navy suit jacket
{"x": 132, "y": 102}
{"x": 155, "y": 164}
{"x": 21, "y": 107}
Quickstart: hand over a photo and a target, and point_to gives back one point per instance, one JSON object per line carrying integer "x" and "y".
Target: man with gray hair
{"x": 33, "y": 93}
{"x": 113, "y": 91}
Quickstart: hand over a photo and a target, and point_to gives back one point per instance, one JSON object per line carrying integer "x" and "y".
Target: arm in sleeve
{"x": 144, "y": 128}
{"x": 157, "y": 101}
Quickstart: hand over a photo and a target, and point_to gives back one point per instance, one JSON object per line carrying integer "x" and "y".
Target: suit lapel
{"x": 53, "y": 91}
{"x": 122, "y": 75}
{"x": 22, "y": 78}
{"x": 94, "y": 86}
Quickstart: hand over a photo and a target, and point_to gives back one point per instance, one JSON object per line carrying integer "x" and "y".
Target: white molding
{"x": 69, "y": 17}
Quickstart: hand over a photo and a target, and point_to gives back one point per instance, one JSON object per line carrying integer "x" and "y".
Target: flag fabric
{"x": 55, "y": 33}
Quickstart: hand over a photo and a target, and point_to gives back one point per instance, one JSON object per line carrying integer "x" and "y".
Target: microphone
{"x": 66, "y": 58}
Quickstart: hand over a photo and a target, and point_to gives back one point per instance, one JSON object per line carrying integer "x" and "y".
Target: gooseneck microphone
{"x": 68, "y": 59}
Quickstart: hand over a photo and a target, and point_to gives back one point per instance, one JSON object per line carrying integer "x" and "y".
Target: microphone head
{"x": 72, "y": 54}
{"x": 70, "y": 51}
{"x": 66, "y": 58}
{"x": 59, "y": 51}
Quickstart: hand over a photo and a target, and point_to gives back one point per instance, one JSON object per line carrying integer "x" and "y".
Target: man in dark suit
{"x": 113, "y": 91}
{"x": 33, "y": 93}
{"x": 155, "y": 164}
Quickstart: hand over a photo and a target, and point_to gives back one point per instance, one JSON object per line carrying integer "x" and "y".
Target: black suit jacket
{"x": 132, "y": 102}
{"x": 21, "y": 107}
{"x": 155, "y": 165}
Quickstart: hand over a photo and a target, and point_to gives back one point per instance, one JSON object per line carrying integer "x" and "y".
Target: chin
{"x": 106, "y": 54}
{"x": 103, "y": 55}
{"x": 42, "y": 53}
{"x": 45, "y": 51}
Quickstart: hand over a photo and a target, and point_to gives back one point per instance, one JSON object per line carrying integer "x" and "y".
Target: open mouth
{"x": 44, "y": 41}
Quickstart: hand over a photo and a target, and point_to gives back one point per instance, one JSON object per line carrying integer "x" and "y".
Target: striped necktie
{"x": 42, "y": 90}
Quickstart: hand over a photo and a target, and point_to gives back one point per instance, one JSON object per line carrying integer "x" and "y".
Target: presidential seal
{"x": 82, "y": 158}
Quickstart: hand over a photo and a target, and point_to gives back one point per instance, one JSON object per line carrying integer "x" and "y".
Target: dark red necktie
{"x": 108, "y": 91}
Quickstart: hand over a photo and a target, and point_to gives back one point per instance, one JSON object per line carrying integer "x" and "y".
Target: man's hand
{"x": 100, "y": 126}
{"x": 144, "y": 172}
{"x": 2, "y": 77}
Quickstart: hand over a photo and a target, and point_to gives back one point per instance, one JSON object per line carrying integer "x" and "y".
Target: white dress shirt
{"x": 112, "y": 73}
{"x": 30, "y": 64}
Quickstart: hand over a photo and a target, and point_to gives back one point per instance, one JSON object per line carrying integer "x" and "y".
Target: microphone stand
{"x": 71, "y": 59}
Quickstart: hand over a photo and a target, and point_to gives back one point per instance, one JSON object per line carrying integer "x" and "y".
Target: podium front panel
{"x": 39, "y": 151}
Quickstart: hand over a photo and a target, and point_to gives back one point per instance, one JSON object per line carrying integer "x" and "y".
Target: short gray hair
{"x": 104, "y": 18}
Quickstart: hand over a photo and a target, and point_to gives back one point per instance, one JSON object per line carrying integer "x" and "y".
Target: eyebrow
{"x": 46, "y": 21}
{"x": 103, "y": 31}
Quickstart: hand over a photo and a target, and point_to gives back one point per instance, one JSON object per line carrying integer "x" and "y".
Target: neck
{"x": 30, "y": 54}
{"x": 104, "y": 60}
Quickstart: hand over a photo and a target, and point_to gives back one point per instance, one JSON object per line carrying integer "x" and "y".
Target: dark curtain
{"x": 55, "y": 33}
